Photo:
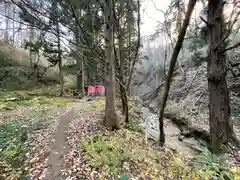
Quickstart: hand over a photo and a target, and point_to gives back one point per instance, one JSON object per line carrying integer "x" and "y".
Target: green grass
{"x": 133, "y": 125}
{"x": 15, "y": 141}
{"x": 12, "y": 100}
{"x": 111, "y": 153}
{"x": 106, "y": 154}
{"x": 134, "y": 116}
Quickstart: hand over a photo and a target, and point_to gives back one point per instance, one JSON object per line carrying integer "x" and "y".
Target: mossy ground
{"x": 42, "y": 97}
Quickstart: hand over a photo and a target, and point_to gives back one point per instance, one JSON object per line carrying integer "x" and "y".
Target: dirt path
{"x": 59, "y": 147}
{"x": 58, "y": 152}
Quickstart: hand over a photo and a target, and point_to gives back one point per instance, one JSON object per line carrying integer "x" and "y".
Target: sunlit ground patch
{"x": 54, "y": 101}
{"x": 12, "y": 100}
{"x": 100, "y": 102}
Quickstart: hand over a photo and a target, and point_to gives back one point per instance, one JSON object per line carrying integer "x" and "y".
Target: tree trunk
{"x": 80, "y": 75}
{"x": 13, "y": 25}
{"x": 133, "y": 61}
{"x": 79, "y": 57}
{"x": 32, "y": 55}
{"x": 78, "y": 79}
{"x": 221, "y": 129}
{"x": 173, "y": 61}
{"x": 83, "y": 78}
{"x": 120, "y": 32}
{"x": 20, "y": 34}
{"x": 6, "y": 12}
{"x": 111, "y": 119}
{"x": 61, "y": 75}
{"x": 179, "y": 26}
{"x": 59, "y": 59}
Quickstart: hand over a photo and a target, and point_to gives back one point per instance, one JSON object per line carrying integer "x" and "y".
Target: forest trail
{"x": 63, "y": 142}
{"x": 64, "y": 155}
{"x": 58, "y": 141}
{"x": 70, "y": 142}
{"x": 59, "y": 147}
{"x": 66, "y": 158}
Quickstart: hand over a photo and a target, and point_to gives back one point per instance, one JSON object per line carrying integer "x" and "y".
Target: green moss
{"x": 54, "y": 101}
{"x": 14, "y": 99}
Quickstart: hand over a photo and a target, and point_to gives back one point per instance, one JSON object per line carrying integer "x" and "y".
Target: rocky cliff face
{"x": 189, "y": 90}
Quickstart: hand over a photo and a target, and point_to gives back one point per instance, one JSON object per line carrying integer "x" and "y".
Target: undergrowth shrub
{"x": 113, "y": 152}
{"x": 16, "y": 141}
{"x": 49, "y": 91}
{"x": 42, "y": 100}
{"x": 12, "y": 73}
{"x": 10, "y": 100}
{"x": 211, "y": 166}
{"x": 134, "y": 117}
{"x": 13, "y": 147}
{"x": 105, "y": 154}
{"x": 133, "y": 125}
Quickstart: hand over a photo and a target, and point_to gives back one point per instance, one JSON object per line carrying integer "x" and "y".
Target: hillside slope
{"x": 15, "y": 71}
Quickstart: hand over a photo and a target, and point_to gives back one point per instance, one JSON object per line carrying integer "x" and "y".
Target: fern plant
{"x": 213, "y": 166}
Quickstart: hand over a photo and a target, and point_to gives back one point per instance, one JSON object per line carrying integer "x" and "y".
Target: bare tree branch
{"x": 232, "y": 47}
{"x": 229, "y": 30}
{"x": 204, "y": 21}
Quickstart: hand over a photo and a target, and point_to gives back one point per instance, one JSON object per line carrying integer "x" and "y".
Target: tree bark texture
{"x": 60, "y": 59}
{"x": 173, "y": 61}
{"x": 122, "y": 64}
{"x": 219, "y": 101}
{"x": 111, "y": 119}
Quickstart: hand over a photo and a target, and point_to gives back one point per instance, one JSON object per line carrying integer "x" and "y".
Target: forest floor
{"x": 52, "y": 138}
